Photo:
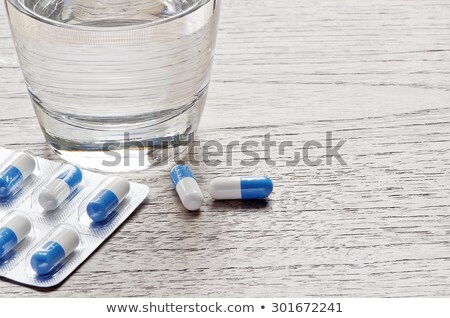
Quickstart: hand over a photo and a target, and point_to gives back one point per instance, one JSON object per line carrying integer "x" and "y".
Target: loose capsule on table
{"x": 53, "y": 253}
{"x": 187, "y": 187}
{"x": 13, "y": 232}
{"x": 13, "y": 176}
{"x": 59, "y": 189}
{"x": 245, "y": 188}
{"x": 107, "y": 200}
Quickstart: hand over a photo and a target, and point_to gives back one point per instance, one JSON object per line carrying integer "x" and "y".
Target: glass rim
{"x": 179, "y": 15}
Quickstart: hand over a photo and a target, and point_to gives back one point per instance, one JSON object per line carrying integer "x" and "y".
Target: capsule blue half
{"x": 52, "y": 254}
{"x": 179, "y": 172}
{"x": 256, "y": 187}
{"x": 108, "y": 199}
{"x": 10, "y": 179}
{"x": 8, "y": 240}
{"x": 102, "y": 205}
{"x": 48, "y": 258}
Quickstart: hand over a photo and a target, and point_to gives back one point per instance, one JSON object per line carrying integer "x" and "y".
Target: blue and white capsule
{"x": 107, "y": 200}
{"x": 13, "y": 232}
{"x": 59, "y": 189}
{"x": 55, "y": 251}
{"x": 15, "y": 174}
{"x": 240, "y": 188}
{"x": 187, "y": 187}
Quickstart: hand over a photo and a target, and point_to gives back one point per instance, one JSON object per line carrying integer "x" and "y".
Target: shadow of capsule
{"x": 241, "y": 204}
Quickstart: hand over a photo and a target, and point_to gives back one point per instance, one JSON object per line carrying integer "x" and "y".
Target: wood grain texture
{"x": 376, "y": 74}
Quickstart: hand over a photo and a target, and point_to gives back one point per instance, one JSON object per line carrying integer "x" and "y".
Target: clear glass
{"x": 116, "y": 84}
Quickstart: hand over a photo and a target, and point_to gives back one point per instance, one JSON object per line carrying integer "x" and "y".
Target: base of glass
{"x": 127, "y": 146}
{"x": 122, "y": 160}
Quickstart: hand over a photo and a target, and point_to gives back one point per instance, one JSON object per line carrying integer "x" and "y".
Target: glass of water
{"x": 116, "y": 84}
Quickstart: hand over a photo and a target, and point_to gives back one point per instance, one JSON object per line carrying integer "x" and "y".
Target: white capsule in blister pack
{"x": 60, "y": 188}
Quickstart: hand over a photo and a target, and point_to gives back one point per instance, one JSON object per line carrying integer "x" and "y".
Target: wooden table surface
{"x": 374, "y": 73}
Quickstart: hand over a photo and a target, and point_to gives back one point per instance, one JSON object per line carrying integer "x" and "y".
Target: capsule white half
{"x": 25, "y": 163}
{"x": 225, "y": 188}
{"x": 187, "y": 187}
{"x": 54, "y": 194}
{"x": 20, "y": 225}
{"x": 120, "y": 187}
{"x": 60, "y": 188}
{"x": 68, "y": 239}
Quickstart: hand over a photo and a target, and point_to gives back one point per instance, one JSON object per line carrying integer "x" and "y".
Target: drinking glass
{"x": 116, "y": 84}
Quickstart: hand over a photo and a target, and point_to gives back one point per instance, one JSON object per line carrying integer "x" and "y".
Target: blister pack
{"x": 53, "y": 216}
